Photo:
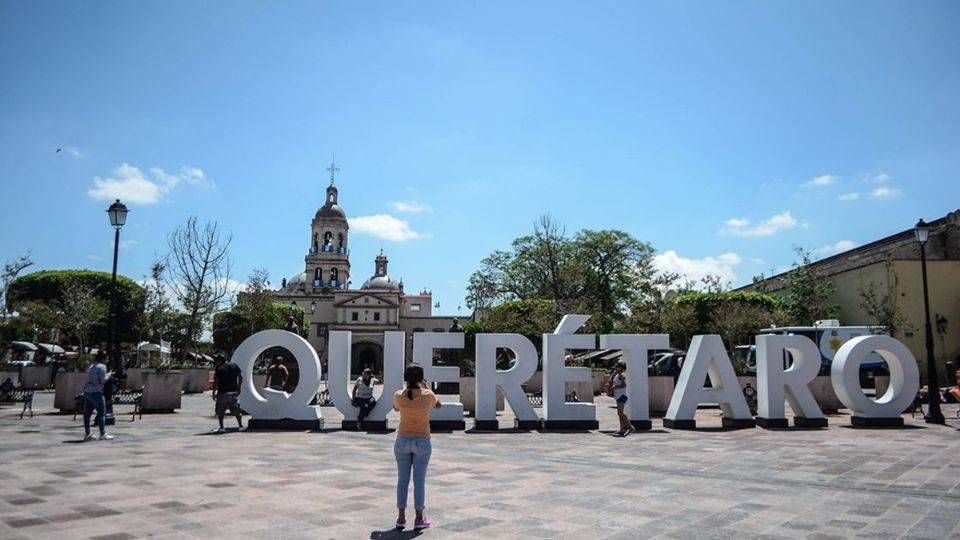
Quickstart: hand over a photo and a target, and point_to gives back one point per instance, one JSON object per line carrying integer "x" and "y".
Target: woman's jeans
{"x": 91, "y": 401}
{"x": 366, "y": 405}
{"x": 412, "y": 452}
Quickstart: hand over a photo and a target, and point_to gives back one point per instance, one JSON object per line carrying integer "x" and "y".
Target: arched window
{"x": 327, "y": 238}
{"x": 334, "y": 274}
{"x": 318, "y": 273}
{"x": 314, "y": 240}
{"x": 340, "y": 240}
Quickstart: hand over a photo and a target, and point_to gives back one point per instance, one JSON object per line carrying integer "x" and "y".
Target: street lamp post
{"x": 118, "y": 217}
{"x": 934, "y": 416}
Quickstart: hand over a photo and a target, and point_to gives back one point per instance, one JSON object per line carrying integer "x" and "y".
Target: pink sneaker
{"x": 401, "y": 522}
{"x": 421, "y": 523}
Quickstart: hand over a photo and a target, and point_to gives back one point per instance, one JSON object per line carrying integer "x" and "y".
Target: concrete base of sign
{"x": 679, "y": 424}
{"x": 448, "y": 425}
{"x": 548, "y": 425}
{"x": 368, "y": 425}
{"x": 860, "y": 421}
{"x": 641, "y": 425}
{"x": 772, "y": 422}
{"x": 285, "y": 424}
{"x": 486, "y": 425}
{"x": 738, "y": 423}
{"x": 526, "y": 424}
{"x": 800, "y": 421}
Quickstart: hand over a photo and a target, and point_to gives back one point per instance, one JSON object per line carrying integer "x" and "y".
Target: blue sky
{"x": 722, "y": 133}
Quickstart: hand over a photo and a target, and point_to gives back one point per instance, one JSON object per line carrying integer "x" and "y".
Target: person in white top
{"x": 363, "y": 395}
{"x": 620, "y": 395}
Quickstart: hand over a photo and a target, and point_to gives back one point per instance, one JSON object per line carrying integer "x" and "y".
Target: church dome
{"x": 330, "y": 209}
{"x": 296, "y": 282}
{"x": 382, "y": 283}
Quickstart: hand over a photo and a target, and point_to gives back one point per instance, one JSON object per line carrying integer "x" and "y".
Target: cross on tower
{"x": 333, "y": 170}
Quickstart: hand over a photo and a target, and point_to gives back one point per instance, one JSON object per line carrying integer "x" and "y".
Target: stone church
{"x": 326, "y": 291}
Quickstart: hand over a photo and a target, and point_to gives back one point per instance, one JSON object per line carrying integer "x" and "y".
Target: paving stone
{"x": 165, "y": 477}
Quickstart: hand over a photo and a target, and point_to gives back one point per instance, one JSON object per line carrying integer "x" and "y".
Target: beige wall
{"x": 904, "y": 277}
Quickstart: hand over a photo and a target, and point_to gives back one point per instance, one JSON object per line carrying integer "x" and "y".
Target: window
{"x": 376, "y": 316}
{"x": 355, "y": 316}
{"x": 318, "y": 273}
{"x": 414, "y": 307}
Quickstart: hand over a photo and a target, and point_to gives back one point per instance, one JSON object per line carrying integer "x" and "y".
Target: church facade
{"x": 325, "y": 291}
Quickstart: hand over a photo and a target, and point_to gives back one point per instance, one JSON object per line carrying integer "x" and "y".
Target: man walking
{"x": 227, "y": 379}
{"x": 97, "y": 375}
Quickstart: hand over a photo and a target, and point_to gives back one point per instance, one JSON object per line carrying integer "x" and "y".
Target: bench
{"x": 20, "y": 395}
{"x": 121, "y": 397}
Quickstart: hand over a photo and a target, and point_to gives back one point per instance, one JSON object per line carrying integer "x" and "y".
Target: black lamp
{"x": 921, "y": 232}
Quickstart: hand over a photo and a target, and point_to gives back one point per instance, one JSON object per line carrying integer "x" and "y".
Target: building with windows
{"x": 326, "y": 292}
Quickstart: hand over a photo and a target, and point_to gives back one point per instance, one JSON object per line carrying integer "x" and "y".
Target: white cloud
{"x": 697, "y": 269}
{"x": 127, "y": 244}
{"x": 411, "y": 207}
{"x": 131, "y": 185}
{"x": 882, "y": 177}
{"x": 769, "y": 227}
{"x": 94, "y": 257}
{"x": 849, "y": 197}
{"x": 385, "y": 227}
{"x": 885, "y": 193}
{"x": 840, "y": 246}
{"x": 821, "y": 181}
{"x": 72, "y": 151}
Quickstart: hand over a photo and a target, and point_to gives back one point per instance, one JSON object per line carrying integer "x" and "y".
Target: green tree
{"x": 255, "y": 302}
{"x": 47, "y": 287}
{"x": 610, "y": 262}
{"x": 231, "y": 327}
{"x": 541, "y": 265}
{"x": 882, "y": 307}
{"x": 735, "y": 316}
{"x": 157, "y": 304}
{"x": 808, "y": 292}
{"x": 80, "y": 310}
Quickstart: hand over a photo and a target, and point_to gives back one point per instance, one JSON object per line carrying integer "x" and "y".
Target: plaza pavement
{"x": 167, "y": 476}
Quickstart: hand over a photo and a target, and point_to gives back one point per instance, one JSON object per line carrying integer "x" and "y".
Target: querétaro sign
{"x": 776, "y": 385}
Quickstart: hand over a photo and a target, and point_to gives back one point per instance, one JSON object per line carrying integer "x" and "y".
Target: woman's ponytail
{"x": 413, "y": 376}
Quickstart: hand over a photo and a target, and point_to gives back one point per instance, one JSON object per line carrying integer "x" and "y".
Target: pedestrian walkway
{"x": 168, "y": 476}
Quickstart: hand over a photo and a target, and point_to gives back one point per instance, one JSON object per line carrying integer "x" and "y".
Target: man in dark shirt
{"x": 227, "y": 379}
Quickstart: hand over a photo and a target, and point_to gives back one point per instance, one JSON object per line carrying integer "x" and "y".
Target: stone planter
{"x": 822, "y": 389}
{"x": 661, "y": 390}
{"x": 36, "y": 377}
{"x": 196, "y": 381}
{"x": 12, "y": 374}
{"x": 162, "y": 391}
{"x": 468, "y": 395}
{"x": 69, "y": 384}
{"x": 135, "y": 377}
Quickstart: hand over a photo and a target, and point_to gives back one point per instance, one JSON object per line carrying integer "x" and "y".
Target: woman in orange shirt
{"x": 412, "y": 447}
